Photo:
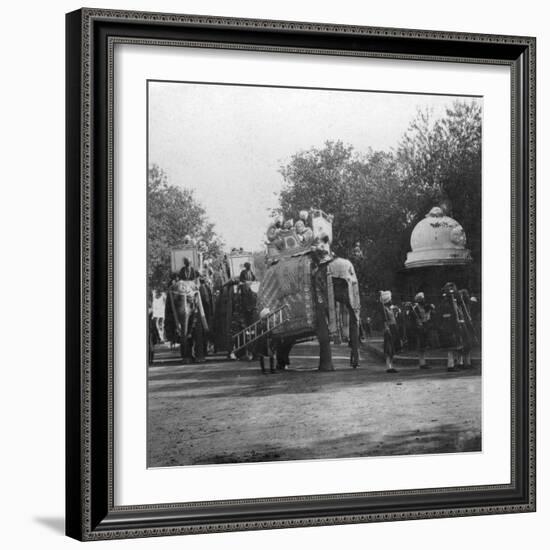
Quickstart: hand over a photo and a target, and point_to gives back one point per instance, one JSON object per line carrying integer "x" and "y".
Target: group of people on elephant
{"x": 332, "y": 281}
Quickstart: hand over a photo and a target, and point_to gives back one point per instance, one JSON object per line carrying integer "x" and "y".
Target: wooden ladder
{"x": 258, "y": 329}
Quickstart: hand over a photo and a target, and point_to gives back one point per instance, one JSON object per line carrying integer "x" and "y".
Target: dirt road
{"x": 222, "y": 412}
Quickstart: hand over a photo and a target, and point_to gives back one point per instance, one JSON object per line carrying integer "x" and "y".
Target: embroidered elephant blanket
{"x": 288, "y": 283}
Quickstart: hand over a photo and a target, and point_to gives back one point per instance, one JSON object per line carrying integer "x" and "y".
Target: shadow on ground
{"x": 246, "y": 380}
{"x": 56, "y": 524}
{"x": 447, "y": 438}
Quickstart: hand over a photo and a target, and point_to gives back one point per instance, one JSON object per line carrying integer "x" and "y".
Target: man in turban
{"x": 421, "y": 313}
{"x": 187, "y": 272}
{"x": 246, "y": 274}
{"x": 392, "y": 341}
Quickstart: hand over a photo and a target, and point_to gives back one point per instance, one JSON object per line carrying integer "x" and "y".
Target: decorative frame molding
{"x": 91, "y": 36}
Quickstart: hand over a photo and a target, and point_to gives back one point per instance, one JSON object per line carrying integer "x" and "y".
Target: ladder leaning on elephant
{"x": 325, "y": 281}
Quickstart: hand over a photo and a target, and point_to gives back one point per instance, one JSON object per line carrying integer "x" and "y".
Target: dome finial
{"x": 435, "y": 212}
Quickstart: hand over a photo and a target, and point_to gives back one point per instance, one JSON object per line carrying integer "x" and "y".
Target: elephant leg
{"x": 198, "y": 339}
{"x": 323, "y": 335}
{"x": 270, "y": 352}
{"x": 353, "y": 338}
{"x": 185, "y": 346}
{"x": 185, "y": 349}
{"x": 280, "y": 357}
{"x": 283, "y": 352}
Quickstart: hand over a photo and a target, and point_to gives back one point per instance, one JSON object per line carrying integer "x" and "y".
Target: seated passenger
{"x": 274, "y": 229}
{"x": 305, "y": 234}
{"x": 246, "y": 273}
{"x": 188, "y": 272}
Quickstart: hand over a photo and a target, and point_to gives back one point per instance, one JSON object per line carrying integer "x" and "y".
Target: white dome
{"x": 438, "y": 240}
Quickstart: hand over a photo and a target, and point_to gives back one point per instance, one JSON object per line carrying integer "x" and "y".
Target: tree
{"x": 440, "y": 163}
{"x": 359, "y": 190}
{"x": 377, "y": 197}
{"x": 172, "y": 213}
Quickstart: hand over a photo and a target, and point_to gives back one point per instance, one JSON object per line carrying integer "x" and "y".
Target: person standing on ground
{"x": 159, "y": 309}
{"x": 392, "y": 342}
{"x": 456, "y": 335}
{"x": 170, "y": 324}
{"x": 421, "y": 313}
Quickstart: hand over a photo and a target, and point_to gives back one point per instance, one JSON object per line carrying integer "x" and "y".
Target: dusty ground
{"x": 222, "y": 411}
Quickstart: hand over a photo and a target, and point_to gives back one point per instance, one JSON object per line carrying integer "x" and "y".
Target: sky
{"x": 227, "y": 142}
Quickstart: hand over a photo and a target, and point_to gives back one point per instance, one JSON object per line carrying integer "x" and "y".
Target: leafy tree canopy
{"x": 172, "y": 213}
{"x": 377, "y": 197}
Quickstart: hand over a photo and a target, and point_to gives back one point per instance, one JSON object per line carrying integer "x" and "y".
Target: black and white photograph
{"x": 314, "y": 281}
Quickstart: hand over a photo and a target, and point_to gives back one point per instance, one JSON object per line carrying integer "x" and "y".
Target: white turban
{"x": 303, "y": 215}
{"x": 385, "y": 296}
{"x": 419, "y": 296}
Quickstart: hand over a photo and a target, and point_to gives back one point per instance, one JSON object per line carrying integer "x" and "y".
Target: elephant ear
{"x": 174, "y": 312}
{"x": 342, "y": 268}
{"x": 331, "y": 302}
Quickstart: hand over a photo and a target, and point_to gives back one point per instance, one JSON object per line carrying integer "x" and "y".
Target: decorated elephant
{"x": 309, "y": 286}
{"x": 187, "y": 309}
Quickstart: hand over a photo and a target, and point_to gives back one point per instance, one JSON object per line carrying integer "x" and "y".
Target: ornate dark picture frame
{"x": 91, "y": 513}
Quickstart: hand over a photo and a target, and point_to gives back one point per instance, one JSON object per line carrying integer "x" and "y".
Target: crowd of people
{"x": 453, "y": 326}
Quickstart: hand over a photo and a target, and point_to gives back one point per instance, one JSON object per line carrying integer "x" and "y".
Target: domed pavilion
{"x": 438, "y": 255}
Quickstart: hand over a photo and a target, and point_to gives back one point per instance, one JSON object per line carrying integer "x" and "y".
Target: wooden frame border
{"x": 91, "y": 35}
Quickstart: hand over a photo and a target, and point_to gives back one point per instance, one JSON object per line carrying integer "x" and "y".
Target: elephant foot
{"x": 326, "y": 368}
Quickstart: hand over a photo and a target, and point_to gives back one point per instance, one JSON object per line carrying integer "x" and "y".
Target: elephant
{"x": 310, "y": 286}
{"x": 189, "y": 316}
{"x": 235, "y": 308}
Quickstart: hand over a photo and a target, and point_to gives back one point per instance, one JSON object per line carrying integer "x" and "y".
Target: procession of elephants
{"x": 305, "y": 292}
